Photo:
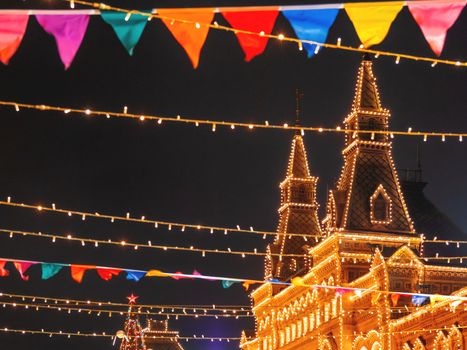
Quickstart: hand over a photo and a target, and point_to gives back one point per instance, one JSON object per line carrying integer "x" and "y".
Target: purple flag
{"x": 68, "y": 31}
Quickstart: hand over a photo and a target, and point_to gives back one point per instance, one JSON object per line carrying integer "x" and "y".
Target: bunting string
{"x": 232, "y": 124}
{"x": 106, "y": 273}
{"x": 251, "y": 25}
{"x": 204, "y": 251}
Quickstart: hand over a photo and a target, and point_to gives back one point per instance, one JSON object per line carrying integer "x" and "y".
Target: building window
{"x": 380, "y": 207}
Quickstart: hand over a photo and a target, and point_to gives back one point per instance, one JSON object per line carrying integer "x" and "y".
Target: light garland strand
{"x": 105, "y": 335}
{"x": 195, "y": 337}
{"x": 279, "y": 37}
{"x": 123, "y": 243}
{"x": 136, "y": 246}
{"x": 231, "y": 124}
{"x": 109, "y": 312}
{"x": 143, "y": 219}
{"x": 358, "y": 291}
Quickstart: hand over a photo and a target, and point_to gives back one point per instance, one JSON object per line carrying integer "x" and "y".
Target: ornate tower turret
{"x": 298, "y": 214}
{"x": 368, "y": 195}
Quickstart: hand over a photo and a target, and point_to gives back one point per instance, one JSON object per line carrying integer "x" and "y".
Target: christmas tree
{"x": 133, "y": 338}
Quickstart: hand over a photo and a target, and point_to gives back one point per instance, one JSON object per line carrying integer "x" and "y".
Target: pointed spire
{"x": 366, "y": 94}
{"x": 298, "y": 163}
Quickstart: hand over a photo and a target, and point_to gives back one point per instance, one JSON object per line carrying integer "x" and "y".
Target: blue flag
{"x": 419, "y": 299}
{"x": 134, "y": 275}
{"x": 311, "y": 25}
{"x": 226, "y": 283}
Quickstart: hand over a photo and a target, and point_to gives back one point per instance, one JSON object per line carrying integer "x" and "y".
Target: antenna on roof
{"x": 298, "y": 100}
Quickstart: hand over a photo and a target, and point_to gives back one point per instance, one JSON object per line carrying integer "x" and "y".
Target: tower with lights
{"x": 366, "y": 241}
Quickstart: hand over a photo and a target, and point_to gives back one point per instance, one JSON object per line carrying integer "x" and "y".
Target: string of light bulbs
{"x": 136, "y": 246}
{"x": 231, "y": 124}
{"x": 110, "y": 313}
{"x": 124, "y": 243}
{"x": 279, "y": 37}
{"x": 156, "y": 223}
{"x": 105, "y": 335}
{"x": 297, "y": 281}
{"x": 197, "y": 337}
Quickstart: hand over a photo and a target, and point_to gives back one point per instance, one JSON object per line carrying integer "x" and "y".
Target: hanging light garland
{"x": 230, "y": 124}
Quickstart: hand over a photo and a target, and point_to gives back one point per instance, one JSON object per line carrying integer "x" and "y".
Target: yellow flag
{"x": 156, "y": 273}
{"x": 298, "y": 281}
{"x": 372, "y": 20}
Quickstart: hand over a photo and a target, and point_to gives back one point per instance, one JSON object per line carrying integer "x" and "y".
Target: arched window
{"x": 380, "y": 206}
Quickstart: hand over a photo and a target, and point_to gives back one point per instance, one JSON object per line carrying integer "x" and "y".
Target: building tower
{"x": 298, "y": 215}
{"x": 158, "y": 336}
{"x": 368, "y": 195}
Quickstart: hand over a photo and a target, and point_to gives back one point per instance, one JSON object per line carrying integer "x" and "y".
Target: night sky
{"x": 188, "y": 174}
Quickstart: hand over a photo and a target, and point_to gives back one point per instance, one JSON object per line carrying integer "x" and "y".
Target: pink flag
{"x": 255, "y": 22}
{"x": 435, "y": 19}
{"x": 12, "y": 28}
{"x": 22, "y": 267}
{"x": 68, "y": 31}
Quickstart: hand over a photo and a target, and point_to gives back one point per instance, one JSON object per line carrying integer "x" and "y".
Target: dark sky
{"x": 187, "y": 174}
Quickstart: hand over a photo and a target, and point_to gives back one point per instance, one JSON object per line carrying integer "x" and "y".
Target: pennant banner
{"x": 77, "y": 271}
{"x": 190, "y": 36}
{"x": 419, "y": 299}
{"x": 311, "y": 25}
{"x": 22, "y": 267}
{"x": 227, "y": 284}
{"x": 68, "y": 31}
{"x": 395, "y": 299}
{"x": 372, "y": 20}
{"x": 12, "y": 28}
{"x": 3, "y": 271}
{"x": 50, "y": 270}
{"x": 252, "y": 21}
{"x": 128, "y": 29}
{"x": 435, "y": 20}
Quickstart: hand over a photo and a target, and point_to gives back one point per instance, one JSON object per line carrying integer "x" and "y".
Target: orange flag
{"x": 191, "y": 34}
{"x": 395, "y": 299}
{"x": 372, "y": 20}
{"x": 156, "y": 273}
{"x": 77, "y": 271}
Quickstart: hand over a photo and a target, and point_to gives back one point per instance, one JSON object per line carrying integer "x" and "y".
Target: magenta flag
{"x": 22, "y": 267}
{"x": 12, "y": 28}
{"x": 68, "y": 31}
{"x": 435, "y": 19}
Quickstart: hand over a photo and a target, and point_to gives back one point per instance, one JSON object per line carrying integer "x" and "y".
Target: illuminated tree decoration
{"x": 133, "y": 338}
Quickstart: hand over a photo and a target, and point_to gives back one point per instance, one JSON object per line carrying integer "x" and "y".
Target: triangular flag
{"x": 3, "y": 271}
{"x": 435, "y": 19}
{"x": 435, "y": 298}
{"x": 77, "y": 271}
{"x": 395, "y": 299}
{"x": 134, "y": 275}
{"x": 22, "y": 267}
{"x": 196, "y": 273}
{"x": 252, "y": 21}
{"x": 192, "y": 34}
{"x": 372, "y": 20}
{"x": 375, "y": 297}
{"x": 342, "y": 291}
{"x": 298, "y": 281}
{"x": 312, "y": 25}
{"x": 107, "y": 274}
{"x": 68, "y": 31}
{"x": 127, "y": 27}
{"x": 50, "y": 270}
{"x": 227, "y": 284}
{"x": 157, "y": 273}
{"x": 419, "y": 299}
{"x": 12, "y": 29}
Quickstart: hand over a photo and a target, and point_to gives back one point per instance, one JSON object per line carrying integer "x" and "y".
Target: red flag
{"x": 395, "y": 299}
{"x": 22, "y": 267}
{"x": 77, "y": 271}
{"x": 12, "y": 28}
{"x": 3, "y": 271}
{"x": 107, "y": 274}
{"x": 252, "y": 21}
{"x": 435, "y": 20}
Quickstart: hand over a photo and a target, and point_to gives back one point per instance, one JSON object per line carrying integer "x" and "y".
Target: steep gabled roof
{"x": 367, "y": 95}
{"x": 298, "y": 163}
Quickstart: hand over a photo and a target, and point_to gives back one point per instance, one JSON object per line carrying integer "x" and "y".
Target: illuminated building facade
{"x": 158, "y": 336}
{"x": 366, "y": 240}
